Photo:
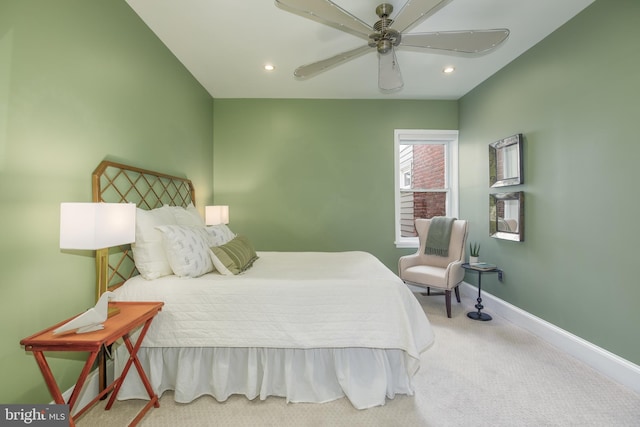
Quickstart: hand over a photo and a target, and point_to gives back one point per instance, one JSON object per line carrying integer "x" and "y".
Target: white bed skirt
{"x": 365, "y": 376}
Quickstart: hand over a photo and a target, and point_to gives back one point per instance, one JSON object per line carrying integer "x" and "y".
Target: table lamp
{"x": 97, "y": 226}
{"x": 215, "y": 215}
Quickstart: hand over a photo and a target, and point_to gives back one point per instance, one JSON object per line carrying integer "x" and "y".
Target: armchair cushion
{"x": 426, "y": 274}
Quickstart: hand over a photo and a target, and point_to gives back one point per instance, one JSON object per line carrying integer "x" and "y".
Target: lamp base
{"x": 112, "y": 311}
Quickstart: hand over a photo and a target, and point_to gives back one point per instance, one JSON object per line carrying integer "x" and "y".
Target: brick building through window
{"x": 423, "y": 169}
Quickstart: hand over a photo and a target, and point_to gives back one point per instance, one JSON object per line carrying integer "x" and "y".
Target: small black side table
{"x": 479, "y": 315}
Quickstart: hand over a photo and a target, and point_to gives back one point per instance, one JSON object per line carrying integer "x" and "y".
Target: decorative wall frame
{"x": 505, "y": 162}
{"x": 506, "y": 216}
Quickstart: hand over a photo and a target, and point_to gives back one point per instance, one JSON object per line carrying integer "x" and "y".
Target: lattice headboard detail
{"x": 118, "y": 183}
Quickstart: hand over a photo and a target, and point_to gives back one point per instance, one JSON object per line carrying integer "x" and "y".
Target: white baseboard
{"x": 605, "y": 362}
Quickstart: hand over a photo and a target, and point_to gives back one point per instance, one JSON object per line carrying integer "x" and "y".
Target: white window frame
{"x": 448, "y": 138}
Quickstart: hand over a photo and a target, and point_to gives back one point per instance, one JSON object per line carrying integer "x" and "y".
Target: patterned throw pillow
{"x": 187, "y": 249}
{"x": 234, "y": 257}
{"x": 219, "y": 234}
{"x": 149, "y": 251}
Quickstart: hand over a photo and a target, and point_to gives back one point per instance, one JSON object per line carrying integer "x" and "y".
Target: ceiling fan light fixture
{"x": 384, "y": 46}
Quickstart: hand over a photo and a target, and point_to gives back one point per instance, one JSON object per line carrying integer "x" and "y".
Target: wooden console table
{"x": 132, "y": 315}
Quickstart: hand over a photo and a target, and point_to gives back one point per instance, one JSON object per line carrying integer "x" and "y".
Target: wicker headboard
{"x": 119, "y": 183}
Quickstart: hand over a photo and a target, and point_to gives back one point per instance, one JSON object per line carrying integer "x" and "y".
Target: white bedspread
{"x": 287, "y": 300}
{"x": 309, "y": 327}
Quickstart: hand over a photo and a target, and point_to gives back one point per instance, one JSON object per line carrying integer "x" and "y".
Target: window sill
{"x": 407, "y": 245}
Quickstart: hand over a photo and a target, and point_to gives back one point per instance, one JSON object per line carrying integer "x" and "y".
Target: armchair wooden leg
{"x": 457, "y": 289}
{"x": 447, "y": 298}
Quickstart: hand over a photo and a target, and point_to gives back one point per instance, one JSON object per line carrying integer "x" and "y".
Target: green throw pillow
{"x": 237, "y": 255}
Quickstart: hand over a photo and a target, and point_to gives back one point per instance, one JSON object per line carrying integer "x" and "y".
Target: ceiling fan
{"x": 388, "y": 33}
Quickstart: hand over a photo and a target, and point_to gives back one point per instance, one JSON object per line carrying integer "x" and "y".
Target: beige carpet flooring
{"x": 477, "y": 373}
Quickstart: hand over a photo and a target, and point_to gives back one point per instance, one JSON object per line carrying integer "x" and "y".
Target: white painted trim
{"x": 603, "y": 361}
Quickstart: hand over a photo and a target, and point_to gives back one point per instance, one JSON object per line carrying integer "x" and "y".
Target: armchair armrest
{"x": 454, "y": 274}
{"x": 407, "y": 261}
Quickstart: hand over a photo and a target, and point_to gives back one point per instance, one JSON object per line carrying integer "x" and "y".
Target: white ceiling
{"x": 226, "y": 43}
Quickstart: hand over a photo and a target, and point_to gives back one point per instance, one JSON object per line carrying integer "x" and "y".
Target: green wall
{"x": 315, "y": 175}
{"x": 80, "y": 81}
{"x": 575, "y": 97}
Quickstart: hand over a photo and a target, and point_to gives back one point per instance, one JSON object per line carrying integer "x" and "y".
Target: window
{"x": 426, "y": 179}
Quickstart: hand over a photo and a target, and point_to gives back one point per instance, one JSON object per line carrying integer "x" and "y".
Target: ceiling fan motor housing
{"x": 385, "y": 38}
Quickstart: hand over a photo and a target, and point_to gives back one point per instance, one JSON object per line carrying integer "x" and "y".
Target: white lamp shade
{"x": 216, "y": 215}
{"x": 96, "y": 225}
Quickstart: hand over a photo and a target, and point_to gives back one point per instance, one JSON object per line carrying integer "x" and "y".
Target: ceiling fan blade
{"x": 310, "y": 70}
{"x": 415, "y": 11}
{"x": 389, "y": 75}
{"x": 328, "y": 13}
{"x": 477, "y": 41}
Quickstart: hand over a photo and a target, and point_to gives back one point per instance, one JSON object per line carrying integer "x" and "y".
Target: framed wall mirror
{"x": 506, "y": 216}
{"x": 505, "y": 162}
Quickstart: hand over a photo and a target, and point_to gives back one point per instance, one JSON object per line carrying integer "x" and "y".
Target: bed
{"x": 306, "y": 326}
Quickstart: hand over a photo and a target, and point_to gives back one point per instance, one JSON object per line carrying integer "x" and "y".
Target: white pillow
{"x": 187, "y": 216}
{"x": 219, "y": 265}
{"x": 219, "y": 234}
{"x": 148, "y": 249}
{"x": 187, "y": 249}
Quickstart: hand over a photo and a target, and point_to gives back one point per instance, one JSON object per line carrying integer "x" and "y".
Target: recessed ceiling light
{"x": 269, "y": 67}
{"x": 448, "y": 70}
